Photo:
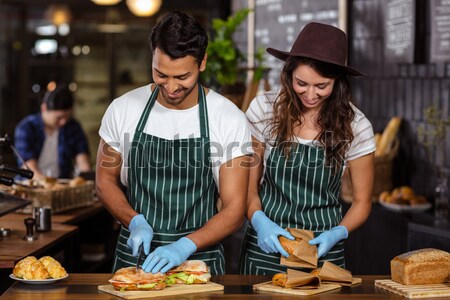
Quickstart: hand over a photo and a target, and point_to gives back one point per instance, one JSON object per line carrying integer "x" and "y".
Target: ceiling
{"x": 81, "y": 9}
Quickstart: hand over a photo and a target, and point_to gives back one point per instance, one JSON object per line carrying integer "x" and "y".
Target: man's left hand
{"x": 166, "y": 257}
{"x": 327, "y": 239}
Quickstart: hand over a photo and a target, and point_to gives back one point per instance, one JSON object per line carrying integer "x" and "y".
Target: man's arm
{"x": 108, "y": 186}
{"x": 33, "y": 166}
{"x": 256, "y": 170}
{"x": 233, "y": 193}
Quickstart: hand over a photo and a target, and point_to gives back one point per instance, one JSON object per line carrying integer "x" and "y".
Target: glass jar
{"x": 441, "y": 200}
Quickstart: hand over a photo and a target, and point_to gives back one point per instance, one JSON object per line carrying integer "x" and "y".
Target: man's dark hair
{"x": 178, "y": 35}
{"x": 61, "y": 98}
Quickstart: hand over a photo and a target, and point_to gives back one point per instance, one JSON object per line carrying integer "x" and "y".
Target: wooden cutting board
{"x": 269, "y": 287}
{"x": 324, "y": 287}
{"x": 415, "y": 291}
{"x": 176, "y": 289}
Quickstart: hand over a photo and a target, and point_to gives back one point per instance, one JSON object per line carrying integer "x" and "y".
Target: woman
{"x": 306, "y": 134}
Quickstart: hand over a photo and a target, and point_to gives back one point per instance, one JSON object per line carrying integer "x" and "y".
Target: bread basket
{"x": 382, "y": 175}
{"x": 62, "y": 199}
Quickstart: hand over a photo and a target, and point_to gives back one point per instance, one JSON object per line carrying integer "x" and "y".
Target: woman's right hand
{"x": 268, "y": 233}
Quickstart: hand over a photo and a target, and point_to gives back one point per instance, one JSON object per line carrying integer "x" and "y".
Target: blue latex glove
{"x": 327, "y": 239}
{"x": 166, "y": 257}
{"x": 268, "y": 233}
{"x": 140, "y": 233}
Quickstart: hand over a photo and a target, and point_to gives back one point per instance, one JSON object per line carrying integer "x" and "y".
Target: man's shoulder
{"x": 137, "y": 94}
{"x": 221, "y": 108}
{"x": 140, "y": 94}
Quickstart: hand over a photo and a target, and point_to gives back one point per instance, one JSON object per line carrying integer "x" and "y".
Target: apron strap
{"x": 203, "y": 112}
{"x": 148, "y": 107}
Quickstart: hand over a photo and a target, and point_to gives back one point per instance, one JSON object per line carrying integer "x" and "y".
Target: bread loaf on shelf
{"x": 424, "y": 266}
{"x": 387, "y": 138}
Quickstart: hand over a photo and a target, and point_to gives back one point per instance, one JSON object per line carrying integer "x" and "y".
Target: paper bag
{"x": 329, "y": 272}
{"x": 303, "y": 280}
{"x": 305, "y": 255}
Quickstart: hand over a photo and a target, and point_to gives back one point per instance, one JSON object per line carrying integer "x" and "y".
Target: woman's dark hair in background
{"x": 179, "y": 35}
{"x": 61, "y": 98}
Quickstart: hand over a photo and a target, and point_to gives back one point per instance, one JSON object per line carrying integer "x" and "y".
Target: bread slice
{"x": 424, "y": 266}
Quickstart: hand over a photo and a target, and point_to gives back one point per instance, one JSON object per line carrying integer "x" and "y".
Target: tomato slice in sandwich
{"x": 129, "y": 279}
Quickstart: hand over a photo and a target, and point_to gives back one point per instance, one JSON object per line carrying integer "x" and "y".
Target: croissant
{"x": 53, "y": 267}
{"x": 30, "y": 268}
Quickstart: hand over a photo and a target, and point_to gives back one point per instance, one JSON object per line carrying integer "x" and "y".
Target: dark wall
{"x": 404, "y": 90}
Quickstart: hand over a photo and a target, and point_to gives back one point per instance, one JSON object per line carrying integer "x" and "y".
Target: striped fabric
{"x": 171, "y": 183}
{"x": 298, "y": 192}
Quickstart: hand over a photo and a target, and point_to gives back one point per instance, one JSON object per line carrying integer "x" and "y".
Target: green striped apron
{"x": 171, "y": 183}
{"x": 298, "y": 192}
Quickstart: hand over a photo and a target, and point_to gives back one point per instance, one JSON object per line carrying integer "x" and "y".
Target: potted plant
{"x": 223, "y": 55}
{"x": 433, "y": 136}
{"x": 224, "y": 58}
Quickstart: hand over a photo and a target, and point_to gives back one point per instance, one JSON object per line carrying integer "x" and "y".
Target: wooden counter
{"x": 14, "y": 247}
{"x": 70, "y": 231}
{"x": 84, "y": 286}
{"x": 62, "y": 230}
{"x": 71, "y": 217}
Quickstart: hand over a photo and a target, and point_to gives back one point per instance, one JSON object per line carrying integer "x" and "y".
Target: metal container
{"x": 43, "y": 217}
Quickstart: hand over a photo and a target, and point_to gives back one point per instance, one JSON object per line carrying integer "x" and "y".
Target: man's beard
{"x": 177, "y": 101}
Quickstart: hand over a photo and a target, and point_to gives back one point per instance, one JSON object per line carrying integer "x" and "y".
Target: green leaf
{"x": 223, "y": 54}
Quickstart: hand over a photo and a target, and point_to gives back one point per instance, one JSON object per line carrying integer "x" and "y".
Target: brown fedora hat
{"x": 321, "y": 42}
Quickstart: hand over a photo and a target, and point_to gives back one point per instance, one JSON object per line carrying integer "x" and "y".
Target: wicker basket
{"x": 382, "y": 176}
{"x": 60, "y": 200}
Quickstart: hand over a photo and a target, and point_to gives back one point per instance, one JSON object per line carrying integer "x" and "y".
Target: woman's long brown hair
{"x": 335, "y": 115}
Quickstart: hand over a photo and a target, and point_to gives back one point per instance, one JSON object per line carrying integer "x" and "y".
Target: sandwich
{"x": 189, "y": 272}
{"x": 289, "y": 245}
{"x": 295, "y": 279}
{"x": 128, "y": 279}
{"x": 301, "y": 253}
{"x": 279, "y": 279}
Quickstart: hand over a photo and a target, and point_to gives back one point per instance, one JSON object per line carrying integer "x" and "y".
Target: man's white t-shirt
{"x": 260, "y": 114}
{"x": 229, "y": 132}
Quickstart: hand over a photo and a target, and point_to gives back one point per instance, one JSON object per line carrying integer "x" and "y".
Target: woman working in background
{"x": 306, "y": 133}
{"x": 51, "y": 142}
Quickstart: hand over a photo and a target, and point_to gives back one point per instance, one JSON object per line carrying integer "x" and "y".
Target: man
{"x": 174, "y": 145}
{"x": 51, "y": 142}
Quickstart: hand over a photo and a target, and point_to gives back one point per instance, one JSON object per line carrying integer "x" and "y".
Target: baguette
{"x": 388, "y": 136}
{"x": 377, "y": 138}
{"x": 424, "y": 266}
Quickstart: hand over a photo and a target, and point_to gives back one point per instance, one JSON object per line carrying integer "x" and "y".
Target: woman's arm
{"x": 361, "y": 174}
{"x": 256, "y": 171}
